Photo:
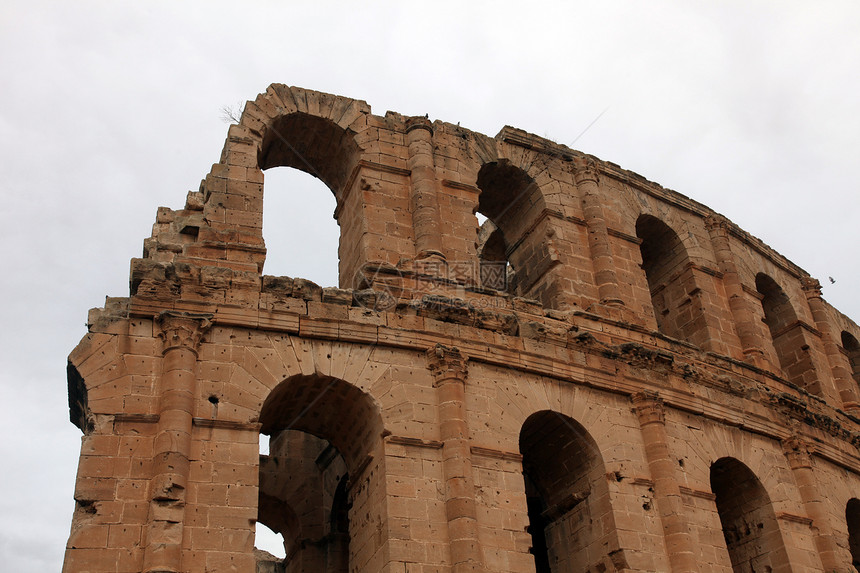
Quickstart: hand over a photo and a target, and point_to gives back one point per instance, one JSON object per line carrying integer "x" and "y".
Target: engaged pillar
{"x": 180, "y": 335}
{"x": 448, "y": 366}
{"x": 649, "y": 409}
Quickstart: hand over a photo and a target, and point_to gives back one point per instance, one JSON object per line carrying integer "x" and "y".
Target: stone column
{"x": 798, "y": 453}
{"x": 839, "y": 366}
{"x": 180, "y": 335}
{"x": 667, "y": 493}
{"x": 586, "y": 178}
{"x": 749, "y": 332}
{"x": 425, "y": 203}
{"x": 448, "y": 366}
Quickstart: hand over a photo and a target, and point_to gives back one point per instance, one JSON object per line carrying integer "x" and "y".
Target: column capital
{"x": 798, "y": 451}
{"x": 648, "y": 406}
{"x": 585, "y": 170}
{"x": 181, "y": 329}
{"x": 446, "y": 363}
{"x": 716, "y": 222}
{"x": 811, "y": 287}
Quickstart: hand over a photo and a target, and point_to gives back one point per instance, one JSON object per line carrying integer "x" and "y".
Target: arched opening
{"x": 507, "y": 205}
{"x": 496, "y": 271}
{"x": 674, "y": 294}
{"x": 852, "y": 517}
{"x": 785, "y": 332}
{"x": 566, "y": 493}
{"x": 322, "y": 431}
{"x": 312, "y": 144}
{"x": 301, "y": 235}
{"x": 749, "y": 524}
{"x": 852, "y": 350}
{"x": 297, "y": 211}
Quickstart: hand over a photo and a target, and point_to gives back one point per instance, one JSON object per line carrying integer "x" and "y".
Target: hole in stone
{"x": 267, "y": 540}
{"x": 213, "y": 399}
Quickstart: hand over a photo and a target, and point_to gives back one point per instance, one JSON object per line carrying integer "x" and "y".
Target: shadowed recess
{"x": 328, "y": 408}
{"x": 749, "y": 524}
{"x": 565, "y": 491}
{"x": 315, "y": 145}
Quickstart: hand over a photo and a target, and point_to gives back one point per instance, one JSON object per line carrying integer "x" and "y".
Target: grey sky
{"x": 108, "y": 110}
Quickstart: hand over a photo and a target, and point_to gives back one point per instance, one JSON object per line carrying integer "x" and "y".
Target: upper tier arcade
{"x": 578, "y": 235}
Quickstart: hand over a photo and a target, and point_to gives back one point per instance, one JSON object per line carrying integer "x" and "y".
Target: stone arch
{"x": 512, "y": 197}
{"x": 312, "y": 144}
{"x": 506, "y": 191}
{"x": 567, "y": 495}
{"x": 279, "y": 516}
{"x": 786, "y": 333}
{"x": 328, "y": 408}
{"x": 852, "y": 518}
{"x": 852, "y": 349}
{"x": 748, "y": 521}
{"x": 283, "y": 127}
{"x": 671, "y": 283}
{"x": 326, "y": 438}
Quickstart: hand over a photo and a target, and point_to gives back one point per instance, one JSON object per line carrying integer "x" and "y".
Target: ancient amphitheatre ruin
{"x": 604, "y": 376}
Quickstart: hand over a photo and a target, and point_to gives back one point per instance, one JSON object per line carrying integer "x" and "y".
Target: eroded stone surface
{"x": 605, "y": 376}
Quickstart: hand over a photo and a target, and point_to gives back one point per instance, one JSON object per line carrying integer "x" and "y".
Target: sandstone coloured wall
{"x": 604, "y": 376}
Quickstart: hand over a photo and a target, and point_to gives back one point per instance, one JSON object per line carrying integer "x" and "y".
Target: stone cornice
{"x": 684, "y": 377}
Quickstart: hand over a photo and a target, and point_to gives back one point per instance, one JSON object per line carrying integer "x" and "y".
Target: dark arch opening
{"x": 852, "y": 350}
{"x": 565, "y": 488}
{"x": 509, "y": 201}
{"x": 496, "y": 271}
{"x": 311, "y": 144}
{"x": 323, "y": 430}
{"x": 339, "y": 547}
{"x": 674, "y": 295}
{"x": 749, "y": 524}
{"x": 852, "y": 517}
{"x": 786, "y": 333}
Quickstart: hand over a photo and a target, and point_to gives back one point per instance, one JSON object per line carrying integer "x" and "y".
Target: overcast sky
{"x": 109, "y": 110}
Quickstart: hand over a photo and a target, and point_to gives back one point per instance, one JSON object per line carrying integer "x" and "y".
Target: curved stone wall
{"x": 604, "y": 375}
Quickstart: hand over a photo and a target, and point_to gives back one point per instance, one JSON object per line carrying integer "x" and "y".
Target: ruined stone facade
{"x": 604, "y": 376}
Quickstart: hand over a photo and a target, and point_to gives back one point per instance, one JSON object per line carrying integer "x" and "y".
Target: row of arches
{"x": 510, "y": 254}
{"x": 325, "y": 430}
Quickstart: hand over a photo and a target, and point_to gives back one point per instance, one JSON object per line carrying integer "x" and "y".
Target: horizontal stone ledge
{"x": 621, "y": 235}
{"x": 794, "y": 518}
{"x": 226, "y": 424}
{"x": 136, "y": 418}
{"x": 461, "y": 186}
{"x": 496, "y": 454}
{"x": 414, "y": 442}
{"x": 697, "y": 493}
{"x": 643, "y": 481}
